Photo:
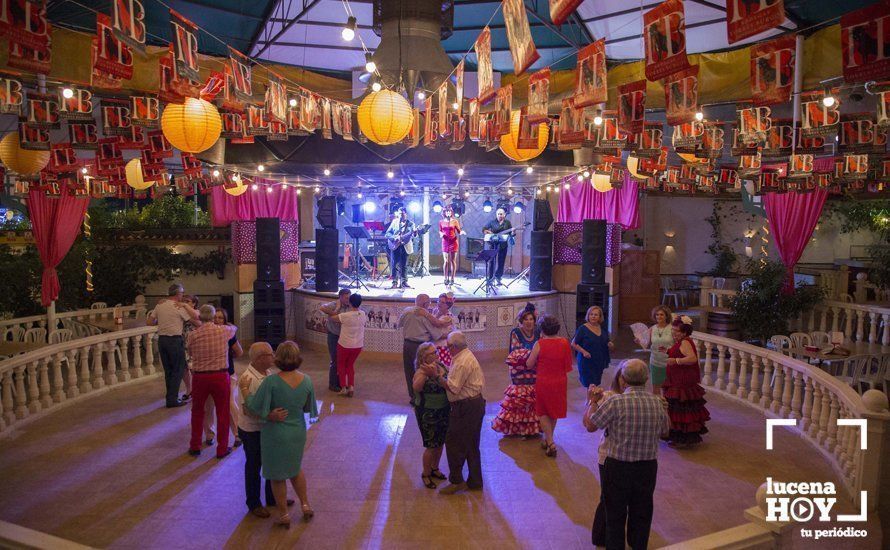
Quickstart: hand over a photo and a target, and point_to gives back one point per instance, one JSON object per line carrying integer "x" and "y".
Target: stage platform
{"x": 433, "y": 285}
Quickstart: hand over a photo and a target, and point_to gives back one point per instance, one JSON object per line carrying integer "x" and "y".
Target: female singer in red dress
{"x": 450, "y": 230}
{"x": 682, "y": 388}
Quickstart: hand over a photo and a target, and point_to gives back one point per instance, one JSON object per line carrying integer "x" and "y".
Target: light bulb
{"x": 567, "y": 187}
{"x": 538, "y": 191}
{"x": 216, "y": 173}
{"x": 298, "y": 190}
{"x": 556, "y": 188}
{"x": 348, "y": 32}
{"x": 529, "y": 169}
{"x": 67, "y": 93}
{"x": 509, "y": 191}
{"x": 84, "y": 170}
{"x": 376, "y": 87}
{"x": 254, "y": 187}
{"x": 598, "y": 120}
{"x": 466, "y": 194}
{"x": 327, "y": 172}
{"x": 414, "y": 207}
{"x": 580, "y": 177}
{"x": 260, "y": 168}
{"x": 828, "y": 100}
{"x": 317, "y": 189}
{"x": 586, "y": 173}
{"x": 699, "y": 116}
{"x": 460, "y": 171}
{"x": 358, "y": 196}
{"x": 421, "y": 95}
{"x": 444, "y": 196}
{"x": 370, "y": 66}
{"x": 402, "y": 193}
{"x": 487, "y": 206}
{"x": 292, "y": 102}
{"x": 390, "y": 174}
{"x": 455, "y": 105}
{"x": 269, "y": 189}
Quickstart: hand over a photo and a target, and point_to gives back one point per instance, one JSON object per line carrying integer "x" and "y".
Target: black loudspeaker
{"x": 587, "y": 295}
{"x": 358, "y": 213}
{"x": 327, "y": 212}
{"x": 593, "y": 252}
{"x": 540, "y": 274}
{"x": 268, "y": 249}
{"x": 268, "y": 312}
{"x": 326, "y": 252}
{"x": 543, "y": 215}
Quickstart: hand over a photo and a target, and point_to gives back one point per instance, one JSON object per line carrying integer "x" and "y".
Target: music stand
{"x": 488, "y": 257}
{"x": 357, "y": 232}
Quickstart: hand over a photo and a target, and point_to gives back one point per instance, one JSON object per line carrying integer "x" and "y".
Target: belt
{"x": 467, "y": 399}
{"x": 209, "y": 371}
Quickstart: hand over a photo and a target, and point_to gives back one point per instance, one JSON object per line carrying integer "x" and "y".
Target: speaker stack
{"x": 268, "y": 288}
{"x": 327, "y": 246}
{"x": 540, "y": 274}
{"x": 593, "y": 290}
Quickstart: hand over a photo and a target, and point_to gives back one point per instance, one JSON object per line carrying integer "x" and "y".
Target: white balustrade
{"x": 40, "y": 321}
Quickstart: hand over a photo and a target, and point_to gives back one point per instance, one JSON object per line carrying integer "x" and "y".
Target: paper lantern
{"x": 385, "y": 117}
{"x": 691, "y": 158}
{"x": 21, "y": 161}
{"x": 135, "y": 180}
{"x": 508, "y": 141}
{"x": 193, "y": 126}
{"x": 602, "y": 182}
{"x": 236, "y": 191}
{"x": 633, "y": 164}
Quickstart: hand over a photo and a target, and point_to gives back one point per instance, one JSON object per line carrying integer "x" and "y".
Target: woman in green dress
{"x": 432, "y": 410}
{"x": 660, "y": 341}
{"x": 282, "y": 399}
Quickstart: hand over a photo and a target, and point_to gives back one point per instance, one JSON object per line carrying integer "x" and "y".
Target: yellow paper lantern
{"x": 509, "y": 141}
{"x": 602, "y": 182}
{"x": 385, "y": 117}
{"x": 135, "y": 180}
{"x": 633, "y": 164}
{"x": 236, "y": 191}
{"x": 21, "y": 161}
{"x": 193, "y": 126}
{"x": 691, "y": 158}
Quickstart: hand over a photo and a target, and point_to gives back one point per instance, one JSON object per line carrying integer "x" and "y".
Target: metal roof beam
{"x": 296, "y": 19}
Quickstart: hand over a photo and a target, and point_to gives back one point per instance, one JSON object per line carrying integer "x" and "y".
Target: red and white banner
{"x": 538, "y": 95}
{"x": 113, "y": 57}
{"x": 116, "y": 119}
{"x": 772, "y": 70}
{"x": 83, "y": 135}
{"x": 664, "y": 36}
{"x": 503, "y": 110}
{"x": 430, "y": 122}
{"x": 12, "y": 96}
{"x": 590, "y": 82}
{"x": 745, "y": 18}
{"x": 571, "y": 125}
{"x": 865, "y": 41}
{"x": 816, "y": 118}
{"x": 145, "y": 111}
{"x": 485, "y": 72}
{"x": 129, "y": 23}
{"x": 632, "y": 106}
{"x": 78, "y": 107}
{"x": 185, "y": 47}
{"x": 681, "y": 96}
{"x": 475, "y": 130}
{"x": 33, "y": 137}
{"x": 43, "y": 110}
{"x": 29, "y": 59}
{"x": 459, "y": 88}
{"x": 276, "y": 99}
{"x": 24, "y": 22}
{"x": 560, "y": 10}
{"x": 753, "y": 123}
{"x": 241, "y": 75}
{"x": 519, "y": 35}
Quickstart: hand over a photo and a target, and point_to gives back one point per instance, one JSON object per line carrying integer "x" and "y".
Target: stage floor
{"x": 433, "y": 285}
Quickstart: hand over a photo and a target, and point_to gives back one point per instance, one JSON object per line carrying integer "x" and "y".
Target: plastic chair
{"x": 81, "y": 330}
{"x": 60, "y": 335}
{"x": 876, "y": 373}
{"x": 820, "y": 339}
{"x": 781, "y": 343}
{"x": 668, "y": 292}
{"x": 800, "y": 339}
{"x": 99, "y": 305}
{"x": 852, "y": 370}
{"x": 15, "y": 333}
{"x": 35, "y": 335}
{"x": 846, "y": 298}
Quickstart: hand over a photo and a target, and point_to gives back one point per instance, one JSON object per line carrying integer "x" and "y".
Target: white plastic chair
{"x": 15, "y": 333}
{"x": 876, "y": 373}
{"x": 81, "y": 330}
{"x": 846, "y": 298}
{"x": 852, "y": 370}
{"x": 781, "y": 343}
{"x": 800, "y": 339}
{"x": 820, "y": 339}
{"x": 668, "y": 292}
{"x": 99, "y": 305}
{"x": 60, "y": 335}
{"x": 35, "y": 335}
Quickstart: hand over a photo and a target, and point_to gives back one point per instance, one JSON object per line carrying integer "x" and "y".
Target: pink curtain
{"x": 55, "y": 223}
{"x": 281, "y": 203}
{"x": 792, "y": 218}
{"x": 583, "y": 202}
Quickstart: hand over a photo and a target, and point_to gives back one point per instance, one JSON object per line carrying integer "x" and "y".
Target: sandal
{"x": 551, "y": 450}
{"x": 436, "y": 474}
{"x": 428, "y": 481}
{"x": 283, "y": 521}
{"x": 307, "y": 512}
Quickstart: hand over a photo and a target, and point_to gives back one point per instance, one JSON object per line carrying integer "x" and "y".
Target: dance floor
{"x": 434, "y": 285}
{"x": 112, "y": 471}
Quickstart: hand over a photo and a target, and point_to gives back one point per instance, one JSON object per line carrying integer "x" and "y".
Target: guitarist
{"x": 399, "y": 233}
{"x": 502, "y": 236}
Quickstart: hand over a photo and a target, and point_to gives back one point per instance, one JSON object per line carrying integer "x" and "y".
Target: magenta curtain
{"x": 792, "y": 218}
{"x": 55, "y": 223}
{"x": 583, "y": 202}
{"x": 281, "y": 203}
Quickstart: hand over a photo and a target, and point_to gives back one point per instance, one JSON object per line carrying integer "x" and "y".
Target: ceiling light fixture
{"x": 529, "y": 169}
{"x": 828, "y": 100}
{"x": 376, "y": 87}
{"x": 260, "y": 168}
{"x": 390, "y": 174}
{"x": 67, "y": 93}
{"x": 216, "y": 173}
{"x": 421, "y": 95}
{"x": 460, "y": 171}
{"x": 699, "y": 116}
{"x": 370, "y": 66}
{"x": 348, "y": 32}
{"x": 292, "y": 102}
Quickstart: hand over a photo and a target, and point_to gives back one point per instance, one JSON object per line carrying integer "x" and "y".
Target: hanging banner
{"x": 415, "y": 132}
{"x": 99, "y": 79}
{"x": 560, "y": 10}
{"x": 108, "y": 157}
{"x": 882, "y": 105}
{"x": 484, "y": 70}
{"x": 865, "y": 43}
{"x": 664, "y": 35}
{"x": 24, "y": 22}
{"x": 681, "y": 95}
{"x": 158, "y": 145}
{"x": 78, "y": 107}
{"x": 430, "y": 121}
{"x": 753, "y": 123}
{"x": 33, "y": 137}
{"x": 519, "y": 35}
{"x": 62, "y": 159}
{"x": 745, "y": 18}
{"x": 31, "y": 60}
{"x": 257, "y": 122}
{"x": 115, "y": 117}
{"x": 113, "y": 57}
{"x": 528, "y": 132}
{"x": 43, "y": 111}
{"x": 12, "y": 96}
{"x": 442, "y": 102}
{"x": 609, "y": 137}
{"x": 772, "y": 70}
{"x": 538, "y": 95}
{"x": 814, "y": 145}
{"x": 686, "y": 138}
{"x": 168, "y": 88}
{"x": 590, "y": 81}
{"x": 131, "y": 139}
{"x": 475, "y": 129}
{"x": 800, "y": 165}
{"x": 571, "y": 125}
{"x": 232, "y": 124}
{"x": 779, "y": 139}
{"x": 816, "y": 118}
{"x": 185, "y": 47}
{"x": 503, "y": 110}
{"x": 241, "y": 75}
{"x": 742, "y": 146}
{"x": 632, "y": 106}
{"x": 857, "y": 133}
{"x": 276, "y": 99}
{"x": 145, "y": 111}
{"x": 128, "y": 22}
{"x": 712, "y": 140}
{"x": 459, "y": 88}
{"x": 83, "y": 135}
{"x": 326, "y": 126}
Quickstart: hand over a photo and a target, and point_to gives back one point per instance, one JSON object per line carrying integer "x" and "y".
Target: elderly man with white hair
{"x": 463, "y": 384}
{"x": 209, "y": 349}
{"x": 635, "y": 419}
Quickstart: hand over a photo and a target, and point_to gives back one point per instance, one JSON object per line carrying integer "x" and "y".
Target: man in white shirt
{"x": 351, "y": 342}
{"x": 170, "y": 316}
{"x": 331, "y": 309}
{"x": 262, "y": 364}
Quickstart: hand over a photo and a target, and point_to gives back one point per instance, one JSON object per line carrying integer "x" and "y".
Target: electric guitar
{"x": 405, "y": 238}
{"x": 503, "y": 235}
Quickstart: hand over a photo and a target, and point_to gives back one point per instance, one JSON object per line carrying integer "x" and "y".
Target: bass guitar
{"x": 503, "y": 235}
{"x": 405, "y": 238}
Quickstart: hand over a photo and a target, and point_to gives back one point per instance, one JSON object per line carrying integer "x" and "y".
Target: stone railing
{"x": 858, "y": 322}
{"x": 42, "y": 380}
{"x": 42, "y": 321}
{"x": 715, "y": 298}
{"x": 782, "y": 387}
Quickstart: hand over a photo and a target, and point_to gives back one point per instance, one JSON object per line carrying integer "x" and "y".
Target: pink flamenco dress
{"x": 517, "y": 415}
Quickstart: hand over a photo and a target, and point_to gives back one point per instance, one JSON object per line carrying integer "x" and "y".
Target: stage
{"x": 432, "y": 285}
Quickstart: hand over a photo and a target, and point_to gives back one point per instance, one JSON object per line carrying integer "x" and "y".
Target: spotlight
{"x": 370, "y": 66}
{"x": 358, "y": 195}
{"x": 699, "y": 116}
{"x": 460, "y": 171}
{"x": 487, "y": 206}
{"x": 317, "y": 189}
{"x": 444, "y": 196}
{"x": 260, "y": 168}
{"x": 292, "y": 102}
{"x": 598, "y": 120}
{"x": 369, "y": 206}
{"x": 529, "y": 169}
{"x": 254, "y": 187}
{"x": 414, "y": 207}
{"x": 327, "y": 172}
{"x": 269, "y": 189}
{"x": 348, "y": 32}
{"x": 299, "y": 190}
{"x": 421, "y": 95}
{"x": 376, "y": 87}
{"x": 67, "y": 93}
{"x": 549, "y": 188}
{"x": 216, "y": 173}
{"x": 466, "y": 194}
{"x": 437, "y": 207}
{"x": 455, "y": 105}
{"x": 828, "y": 100}
{"x": 518, "y": 207}
{"x": 402, "y": 193}
{"x": 556, "y": 188}
{"x": 538, "y": 191}
{"x": 390, "y": 174}
{"x": 510, "y": 191}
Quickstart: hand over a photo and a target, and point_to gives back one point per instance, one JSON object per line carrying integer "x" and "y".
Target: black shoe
{"x": 185, "y": 397}
{"x": 177, "y": 404}
{"x": 500, "y": 283}
{"x": 335, "y": 389}
{"x": 394, "y": 285}
{"x": 194, "y": 452}
{"x": 404, "y": 285}
{"x": 208, "y": 442}
{"x": 225, "y": 454}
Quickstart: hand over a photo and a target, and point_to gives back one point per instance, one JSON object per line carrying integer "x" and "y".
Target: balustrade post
{"x": 817, "y": 426}
{"x": 860, "y": 325}
{"x": 873, "y": 327}
{"x": 807, "y": 409}
{"x": 885, "y": 334}
{"x": 137, "y": 356}
{"x": 786, "y": 390}
{"x": 33, "y": 386}
{"x": 823, "y": 319}
{"x": 58, "y": 391}
{"x": 707, "y": 379}
{"x": 742, "y": 391}
{"x": 149, "y": 363}
{"x": 46, "y": 399}
{"x": 72, "y": 389}
{"x": 766, "y": 390}
{"x": 111, "y": 367}
{"x": 849, "y": 315}
{"x": 778, "y": 381}
{"x": 754, "y": 394}
{"x": 732, "y": 381}
{"x": 797, "y": 397}
{"x": 831, "y": 427}
{"x": 85, "y": 384}
{"x": 8, "y": 401}
{"x": 720, "y": 382}
{"x": 98, "y": 376}
{"x": 21, "y": 397}
{"x": 125, "y": 361}
{"x": 835, "y": 313}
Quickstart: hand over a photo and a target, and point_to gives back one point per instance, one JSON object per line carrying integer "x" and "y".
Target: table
{"x": 856, "y": 348}
{"x": 15, "y": 348}
{"x": 108, "y": 324}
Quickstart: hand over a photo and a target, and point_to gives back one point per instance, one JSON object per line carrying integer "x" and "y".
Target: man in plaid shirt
{"x": 635, "y": 421}
{"x": 208, "y": 347}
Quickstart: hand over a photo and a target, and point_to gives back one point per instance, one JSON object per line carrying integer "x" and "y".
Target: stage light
{"x": 390, "y": 174}
{"x": 402, "y": 193}
{"x": 538, "y": 191}
{"x": 437, "y": 207}
{"x": 598, "y": 120}
{"x": 487, "y": 206}
{"x": 509, "y": 191}
{"x": 466, "y": 194}
{"x": 556, "y": 188}
{"x": 699, "y": 116}
{"x": 317, "y": 189}
{"x": 67, "y": 93}
{"x": 414, "y": 207}
{"x": 269, "y": 189}
{"x": 529, "y": 169}
{"x": 299, "y": 190}
{"x": 421, "y": 95}
{"x": 460, "y": 171}
{"x": 370, "y": 207}
{"x": 828, "y": 100}
{"x": 518, "y": 207}
{"x": 444, "y": 196}
{"x": 254, "y": 187}
{"x": 358, "y": 195}
{"x": 216, "y": 173}
{"x": 260, "y": 168}
{"x": 376, "y": 87}
{"x": 327, "y": 172}
{"x": 370, "y": 66}
{"x": 292, "y": 102}
{"x": 348, "y": 32}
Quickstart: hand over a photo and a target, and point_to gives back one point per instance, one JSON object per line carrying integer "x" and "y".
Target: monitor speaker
{"x": 587, "y": 295}
{"x": 543, "y": 215}
{"x": 593, "y": 252}
{"x": 540, "y": 274}
{"x": 268, "y": 249}
{"x": 326, "y": 252}
{"x": 327, "y": 212}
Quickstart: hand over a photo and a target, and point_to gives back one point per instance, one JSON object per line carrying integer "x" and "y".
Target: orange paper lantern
{"x": 133, "y": 170}
{"x": 193, "y": 126}
{"x": 509, "y": 141}
{"x": 21, "y": 161}
{"x": 691, "y": 158}
{"x": 385, "y": 117}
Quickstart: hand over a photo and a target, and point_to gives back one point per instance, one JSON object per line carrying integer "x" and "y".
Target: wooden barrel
{"x": 722, "y": 324}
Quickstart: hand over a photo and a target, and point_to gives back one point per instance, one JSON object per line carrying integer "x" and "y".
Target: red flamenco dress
{"x": 517, "y": 415}
{"x": 685, "y": 396}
